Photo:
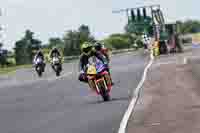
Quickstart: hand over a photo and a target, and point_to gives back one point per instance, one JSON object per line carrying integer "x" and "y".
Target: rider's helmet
{"x": 54, "y": 48}
{"x": 86, "y": 48}
{"x": 39, "y": 51}
{"x": 98, "y": 46}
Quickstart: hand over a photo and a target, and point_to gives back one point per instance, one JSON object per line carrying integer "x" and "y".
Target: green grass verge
{"x": 10, "y": 70}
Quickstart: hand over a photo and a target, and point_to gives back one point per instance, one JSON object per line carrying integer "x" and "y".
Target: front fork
{"x": 93, "y": 84}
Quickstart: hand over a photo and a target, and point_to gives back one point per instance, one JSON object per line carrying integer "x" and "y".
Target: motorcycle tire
{"x": 57, "y": 69}
{"x": 39, "y": 73}
{"x": 58, "y": 73}
{"x": 105, "y": 95}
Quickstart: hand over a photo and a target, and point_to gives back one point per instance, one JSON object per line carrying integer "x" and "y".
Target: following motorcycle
{"x": 56, "y": 64}
{"x": 99, "y": 79}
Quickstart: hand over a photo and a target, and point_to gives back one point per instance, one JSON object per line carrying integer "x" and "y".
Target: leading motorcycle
{"x": 39, "y": 66}
{"x": 99, "y": 79}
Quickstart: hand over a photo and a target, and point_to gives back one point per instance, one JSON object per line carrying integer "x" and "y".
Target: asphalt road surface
{"x": 64, "y": 105}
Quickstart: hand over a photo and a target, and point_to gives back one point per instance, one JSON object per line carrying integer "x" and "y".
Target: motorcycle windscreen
{"x": 99, "y": 66}
{"x": 55, "y": 60}
{"x": 38, "y": 60}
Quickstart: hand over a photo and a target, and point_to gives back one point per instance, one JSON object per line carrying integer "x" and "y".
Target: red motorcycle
{"x": 99, "y": 79}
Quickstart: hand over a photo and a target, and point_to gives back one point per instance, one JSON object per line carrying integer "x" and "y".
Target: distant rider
{"x": 55, "y": 53}
{"x": 40, "y": 55}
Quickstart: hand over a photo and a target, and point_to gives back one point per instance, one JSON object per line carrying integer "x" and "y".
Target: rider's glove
{"x": 82, "y": 72}
{"x": 106, "y": 65}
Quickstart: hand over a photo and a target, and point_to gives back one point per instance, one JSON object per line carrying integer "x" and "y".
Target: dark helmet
{"x": 98, "y": 46}
{"x": 55, "y": 48}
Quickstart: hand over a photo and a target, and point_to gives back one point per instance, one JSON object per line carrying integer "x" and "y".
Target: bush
{"x": 120, "y": 41}
{"x": 186, "y": 40}
{"x": 117, "y": 43}
{"x": 11, "y": 61}
{"x": 139, "y": 43}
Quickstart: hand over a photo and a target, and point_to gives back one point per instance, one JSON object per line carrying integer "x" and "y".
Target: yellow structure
{"x": 196, "y": 38}
{"x": 156, "y": 48}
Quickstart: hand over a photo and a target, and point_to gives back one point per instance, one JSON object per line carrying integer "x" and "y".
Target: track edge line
{"x": 132, "y": 104}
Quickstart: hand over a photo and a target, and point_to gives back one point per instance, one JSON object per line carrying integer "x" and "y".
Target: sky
{"x": 52, "y": 18}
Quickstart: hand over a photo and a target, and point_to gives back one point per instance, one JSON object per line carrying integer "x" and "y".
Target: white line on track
{"x": 134, "y": 100}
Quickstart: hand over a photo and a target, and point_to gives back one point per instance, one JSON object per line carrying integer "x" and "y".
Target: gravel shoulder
{"x": 169, "y": 102}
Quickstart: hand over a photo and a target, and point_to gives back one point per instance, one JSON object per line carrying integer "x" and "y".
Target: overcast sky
{"x": 51, "y": 18}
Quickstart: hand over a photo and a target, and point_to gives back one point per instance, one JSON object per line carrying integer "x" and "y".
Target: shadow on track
{"x": 112, "y": 100}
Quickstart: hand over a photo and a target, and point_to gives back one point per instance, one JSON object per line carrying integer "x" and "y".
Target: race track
{"x": 64, "y": 105}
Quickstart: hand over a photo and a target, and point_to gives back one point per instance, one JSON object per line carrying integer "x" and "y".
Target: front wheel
{"x": 40, "y": 73}
{"x": 105, "y": 94}
{"x": 57, "y": 70}
{"x": 106, "y": 97}
{"x": 58, "y": 73}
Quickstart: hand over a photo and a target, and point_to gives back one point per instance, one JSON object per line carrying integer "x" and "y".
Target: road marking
{"x": 60, "y": 77}
{"x": 134, "y": 100}
{"x": 185, "y": 60}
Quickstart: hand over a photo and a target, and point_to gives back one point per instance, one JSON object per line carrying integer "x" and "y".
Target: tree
{"x": 74, "y": 38}
{"x": 71, "y": 42}
{"x": 1, "y": 45}
{"x": 120, "y": 41}
{"x": 24, "y": 48}
{"x": 56, "y": 42}
{"x": 84, "y": 34}
{"x": 189, "y": 26}
{"x": 3, "y": 55}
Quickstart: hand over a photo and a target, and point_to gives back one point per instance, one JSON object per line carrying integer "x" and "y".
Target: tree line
{"x": 26, "y": 47}
{"x": 71, "y": 41}
{"x": 69, "y": 44}
{"x": 189, "y": 26}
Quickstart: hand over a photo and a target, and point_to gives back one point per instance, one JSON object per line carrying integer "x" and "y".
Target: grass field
{"x": 10, "y": 70}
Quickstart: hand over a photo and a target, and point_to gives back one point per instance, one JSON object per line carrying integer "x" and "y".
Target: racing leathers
{"x": 105, "y": 52}
{"x": 55, "y": 53}
{"x": 41, "y": 56}
{"x": 84, "y": 60}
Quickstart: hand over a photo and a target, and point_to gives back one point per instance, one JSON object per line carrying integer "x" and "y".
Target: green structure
{"x": 146, "y": 19}
{"x": 150, "y": 20}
